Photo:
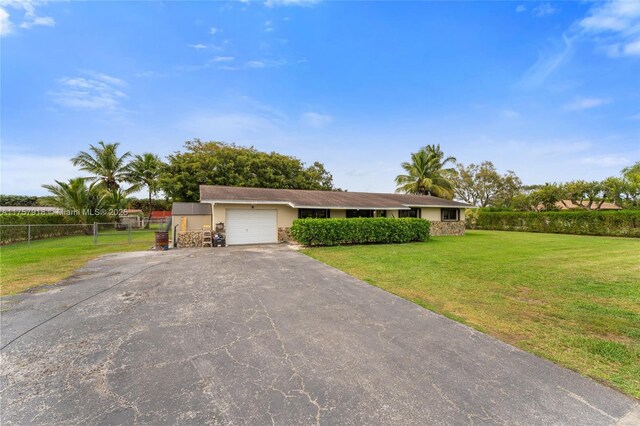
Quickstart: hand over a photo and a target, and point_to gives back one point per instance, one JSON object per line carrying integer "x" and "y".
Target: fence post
{"x": 129, "y": 230}
{"x": 29, "y": 235}
{"x": 95, "y": 233}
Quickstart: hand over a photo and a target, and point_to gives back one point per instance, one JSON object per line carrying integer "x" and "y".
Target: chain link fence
{"x": 103, "y": 233}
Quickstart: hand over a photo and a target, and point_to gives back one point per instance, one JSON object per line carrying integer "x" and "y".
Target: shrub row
{"x": 623, "y": 223}
{"x": 18, "y": 200}
{"x": 331, "y": 232}
{"x": 56, "y": 226}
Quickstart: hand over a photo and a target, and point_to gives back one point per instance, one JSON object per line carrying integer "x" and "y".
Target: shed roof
{"x": 190, "y": 209}
{"x": 298, "y": 198}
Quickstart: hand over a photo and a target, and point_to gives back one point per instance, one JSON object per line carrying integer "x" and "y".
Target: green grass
{"x": 47, "y": 261}
{"x": 574, "y": 300}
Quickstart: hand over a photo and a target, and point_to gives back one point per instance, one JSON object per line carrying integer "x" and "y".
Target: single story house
{"x": 264, "y": 215}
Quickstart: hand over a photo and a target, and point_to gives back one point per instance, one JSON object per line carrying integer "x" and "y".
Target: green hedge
{"x": 57, "y": 226}
{"x": 331, "y": 232}
{"x": 622, "y": 223}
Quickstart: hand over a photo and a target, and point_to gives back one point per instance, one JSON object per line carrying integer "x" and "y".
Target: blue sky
{"x": 548, "y": 90}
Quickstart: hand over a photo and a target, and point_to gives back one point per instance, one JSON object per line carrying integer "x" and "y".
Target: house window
{"x": 450, "y": 215}
{"x": 314, "y": 213}
{"x": 414, "y": 212}
{"x": 360, "y": 213}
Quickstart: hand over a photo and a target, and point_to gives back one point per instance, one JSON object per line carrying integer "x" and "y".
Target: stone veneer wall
{"x": 439, "y": 228}
{"x": 284, "y": 235}
{"x": 189, "y": 239}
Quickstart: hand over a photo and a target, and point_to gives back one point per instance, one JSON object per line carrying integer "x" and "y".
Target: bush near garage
{"x": 381, "y": 230}
{"x": 621, "y": 223}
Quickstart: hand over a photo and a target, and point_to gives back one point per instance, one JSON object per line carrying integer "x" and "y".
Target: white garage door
{"x": 251, "y": 227}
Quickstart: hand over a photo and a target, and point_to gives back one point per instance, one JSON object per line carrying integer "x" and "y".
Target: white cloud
{"x": 45, "y": 21}
{"x": 93, "y": 91}
{"x": 585, "y": 103}
{"x": 548, "y": 61}
{"x": 256, "y": 64}
{"x": 508, "y": 113}
{"x": 543, "y": 9}
{"x": 30, "y": 17}
{"x": 214, "y": 30}
{"x": 198, "y": 46}
{"x": 232, "y": 127}
{"x": 615, "y": 27}
{"x": 273, "y": 3}
{"x": 315, "y": 119}
{"x": 635, "y": 117}
{"x": 268, "y": 26}
{"x": 521, "y": 8}
{"x": 6, "y": 26}
{"x": 605, "y": 160}
{"x": 26, "y": 173}
{"x": 223, "y": 59}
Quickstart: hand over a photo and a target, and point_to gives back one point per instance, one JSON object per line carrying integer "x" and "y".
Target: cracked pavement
{"x": 264, "y": 335}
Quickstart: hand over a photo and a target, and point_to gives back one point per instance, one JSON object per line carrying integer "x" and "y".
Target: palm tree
{"x": 144, "y": 171}
{"x": 75, "y": 197}
{"x": 427, "y": 173}
{"x": 104, "y": 163}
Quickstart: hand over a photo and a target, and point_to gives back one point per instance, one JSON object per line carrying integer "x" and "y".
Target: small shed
{"x": 188, "y": 220}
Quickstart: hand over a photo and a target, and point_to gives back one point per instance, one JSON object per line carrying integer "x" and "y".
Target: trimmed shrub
{"x": 621, "y": 223}
{"x": 380, "y": 230}
{"x": 18, "y": 200}
{"x": 57, "y": 225}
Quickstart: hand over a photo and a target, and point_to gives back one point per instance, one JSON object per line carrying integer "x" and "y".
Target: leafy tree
{"x": 584, "y": 195}
{"x": 482, "y": 185}
{"x": 144, "y": 172}
{"x": 613, "y": 190}
{"x": 104, "y": 164}
{"x": 142, "y": 204}
{"x": 427, "y": 173}
{"x": 539, "y": 197}
{"x": 631, "y": 189}
{"x": 218, "y": 163}
{"x": 79, "y": 198}
{"x": 632, "y": 173}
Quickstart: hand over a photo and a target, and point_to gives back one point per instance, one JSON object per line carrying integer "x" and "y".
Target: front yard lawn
{"x": 24, "y": 266}
{"x": 572, "y": 299}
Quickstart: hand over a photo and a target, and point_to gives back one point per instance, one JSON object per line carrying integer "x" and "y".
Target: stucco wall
{"x": 338, "y": 214}
{"x": 194, "y": 222}
{"x": 431, "y": 213}
{"x": 434, "y": 214}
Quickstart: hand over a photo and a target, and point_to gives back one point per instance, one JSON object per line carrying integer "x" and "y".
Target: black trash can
{"x": 162, "y": 241}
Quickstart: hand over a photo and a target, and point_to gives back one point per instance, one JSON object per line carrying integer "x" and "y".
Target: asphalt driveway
{"x": 265, "y": 335}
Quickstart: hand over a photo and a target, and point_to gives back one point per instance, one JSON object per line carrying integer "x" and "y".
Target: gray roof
{"x": 189, "y": 209}
{"x": 322, "y": 199}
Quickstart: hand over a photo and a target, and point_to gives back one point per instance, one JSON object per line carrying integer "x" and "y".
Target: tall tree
{"x": 482, "y": 185}
{"x": 79, "y": 199}
{"x": 631, "y": 178}
{"x": 104, "y": 164}
{"x": 218, "y": 163}
{"x": 427, "y": 173}
{"x": 583, "y": 195}
{"x": 144, "y": 171}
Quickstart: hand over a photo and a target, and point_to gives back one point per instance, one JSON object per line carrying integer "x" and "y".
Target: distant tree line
{"x": 430, "y": 172}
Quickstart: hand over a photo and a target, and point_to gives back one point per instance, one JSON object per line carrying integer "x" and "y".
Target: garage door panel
{"x": 251, "y": 226}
